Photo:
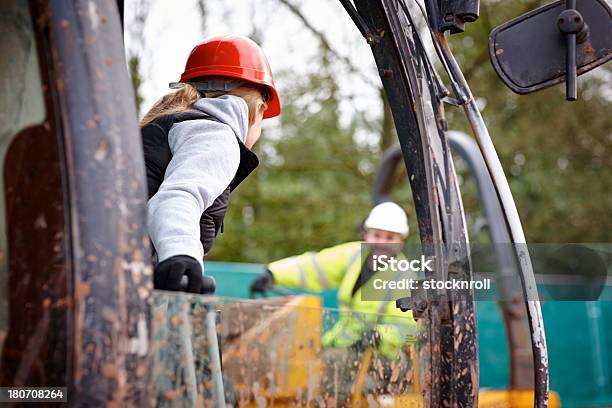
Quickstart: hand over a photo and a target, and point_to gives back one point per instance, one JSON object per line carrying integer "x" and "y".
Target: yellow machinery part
{"x": 361, "y": 377}
{"x": 513, "y": 399}
{"x": 486, "y": 399}
{"x": 280, "y": 353}
{"x": 292, "y": 334}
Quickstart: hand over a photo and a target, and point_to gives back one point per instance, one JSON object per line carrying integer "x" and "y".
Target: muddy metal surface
{"x": 272, "y": 355}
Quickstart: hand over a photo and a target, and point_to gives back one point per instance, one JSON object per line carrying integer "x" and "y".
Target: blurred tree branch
{"x": 387, "y": 130}
{"x": 136, "y": 50}
{"x": 325, "y": 42}
{"x": 137, "y": 80}
{"x": 203, "y": 10}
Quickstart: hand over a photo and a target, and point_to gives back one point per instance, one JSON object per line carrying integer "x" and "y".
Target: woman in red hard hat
{"x": 197, "y": 143}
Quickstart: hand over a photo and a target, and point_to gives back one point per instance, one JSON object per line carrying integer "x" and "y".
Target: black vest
{"x": 157, "y": 156}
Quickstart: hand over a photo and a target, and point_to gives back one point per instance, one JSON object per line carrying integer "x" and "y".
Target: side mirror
{"x": 552, "y": 44}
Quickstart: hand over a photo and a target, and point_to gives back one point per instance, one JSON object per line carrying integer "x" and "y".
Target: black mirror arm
{"x": 571, "y": 24}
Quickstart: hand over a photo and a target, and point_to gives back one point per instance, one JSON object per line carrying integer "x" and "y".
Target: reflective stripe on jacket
{"x": 339, "y": 267}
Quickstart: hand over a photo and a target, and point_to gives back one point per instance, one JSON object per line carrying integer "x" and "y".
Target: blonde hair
{"x": 183, "y": 99}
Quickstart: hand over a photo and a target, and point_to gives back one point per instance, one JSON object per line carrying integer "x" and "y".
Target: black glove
{"x": 262, "y": 282}
{"x": 209, "y": 285}
{"x": 169, "y": 275}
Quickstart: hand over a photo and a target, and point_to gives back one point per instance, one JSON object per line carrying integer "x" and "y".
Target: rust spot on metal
{"x": 170, "y": 395}
{"x": 40, "y": 223}
{"x": 43, "y": 20}
{"x": 109, "y": 371}
{"x": 89, "y": 39}
{"x": 176, "y": 321}
{"x": 386, "y": 73}
{"x": 143, "y": 293}
{"x": 458, "y": 341}
{"x": 91, "y": 124}
{"x": 64, "y": 302}
{"x": 141, "y": 371}
{"x": 65, "y": 25}
{"x": 100, "y": 153}
{"x": 82, "y": 289}
{"x": 108, "y": 61}
{"x": 109, "y": 314}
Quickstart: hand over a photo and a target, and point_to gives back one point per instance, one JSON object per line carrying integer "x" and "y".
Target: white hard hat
{"x": 388, "y": 216}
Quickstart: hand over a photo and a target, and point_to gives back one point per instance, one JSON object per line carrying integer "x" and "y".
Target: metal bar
{"x": 521, "y": 365}
{"x": 215, "y": 356}
{"x": 432, "y": 13}
{"x": 451, "y": 317}
{"x": 361, "y": 377}
{"x": 534, "y": 312}
{"x": 598, "y": 349}
{"x": 398, "y": 90}
{"x": 571, "y": 68}
{"x": 359, "y": 22}
{"x": 571, "y": 74}
{"x": 451, "y": 353}
{"x": 121, "y": 10}
{"x": 466, "y": 148}
{"x": 106, "y": 187}
{"x": 519, "y": 346}
{"x": 385, "y": 176}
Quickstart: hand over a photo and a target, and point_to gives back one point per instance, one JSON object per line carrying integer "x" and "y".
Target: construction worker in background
{"x": 197, "y": 143}
{"x": 377, "y": 324}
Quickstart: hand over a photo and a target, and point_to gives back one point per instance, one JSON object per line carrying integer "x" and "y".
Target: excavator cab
{"x": 75, "y": 274}
{"x": 77, "y": 307}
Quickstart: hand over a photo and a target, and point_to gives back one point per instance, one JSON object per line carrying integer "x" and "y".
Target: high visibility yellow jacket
{"x": 339, "y": 267}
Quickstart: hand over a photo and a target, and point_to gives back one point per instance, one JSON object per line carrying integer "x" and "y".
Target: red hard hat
{"x": 233, "y": 56}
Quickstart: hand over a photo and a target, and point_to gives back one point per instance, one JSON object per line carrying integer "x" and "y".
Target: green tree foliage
{"x": 136, "y": 77}
{"x": 556, "y": 154}
{"x": 313, "y": 187}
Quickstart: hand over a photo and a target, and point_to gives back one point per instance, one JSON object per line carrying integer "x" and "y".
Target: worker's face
{"x": 383, "y": 242}
{"x": 254, "y": 132}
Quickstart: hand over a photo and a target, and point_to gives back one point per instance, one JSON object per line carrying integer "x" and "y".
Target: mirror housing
{"x": 534, "y": 51}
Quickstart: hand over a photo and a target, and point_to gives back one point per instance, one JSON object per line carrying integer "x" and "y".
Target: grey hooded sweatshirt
{"x": 205, "y": 158}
